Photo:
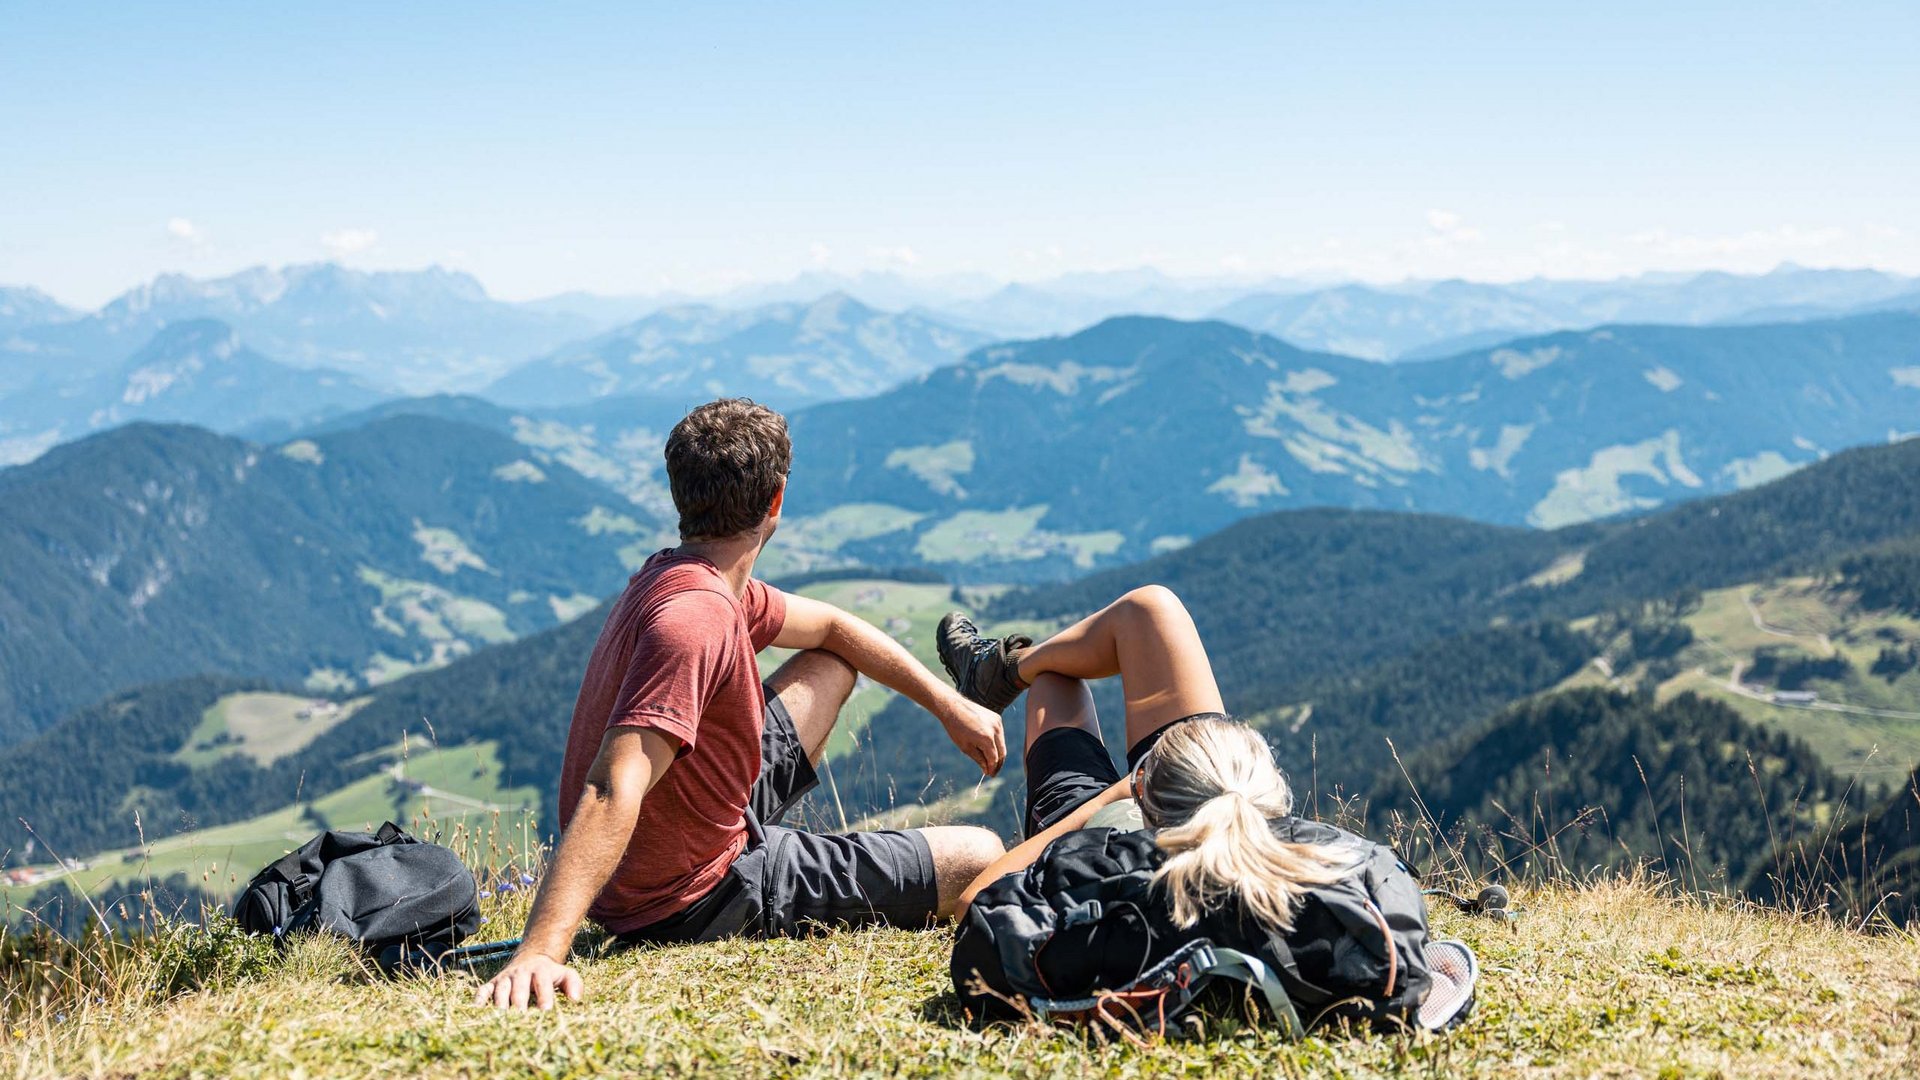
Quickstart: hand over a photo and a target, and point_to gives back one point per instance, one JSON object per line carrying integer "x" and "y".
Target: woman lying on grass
{"x": 1210, "y": 789}
{"x": 1338, "y": 921}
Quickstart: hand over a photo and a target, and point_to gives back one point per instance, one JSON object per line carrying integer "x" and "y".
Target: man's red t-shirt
{"x": 677, "y": 656}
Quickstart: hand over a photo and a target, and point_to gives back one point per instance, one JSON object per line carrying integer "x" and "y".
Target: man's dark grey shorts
{"x": 788, "y": 882}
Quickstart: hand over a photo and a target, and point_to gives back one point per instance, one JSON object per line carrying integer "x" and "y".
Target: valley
{"x": 1523, "y": 556}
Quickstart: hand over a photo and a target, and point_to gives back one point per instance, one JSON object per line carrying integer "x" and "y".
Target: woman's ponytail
{"x": 1211, "y": 786}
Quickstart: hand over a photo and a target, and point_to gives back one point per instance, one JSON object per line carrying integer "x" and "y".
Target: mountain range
{"x": 407, "y": 332}
{"x": 787, "y": 354}
{"x": 1139, "y": 434}
{"x": 1414, "y": 319}
{"x": 1426, "y": 320}
{"x": 195, "y": 371}
{"x": 21, "y": 306}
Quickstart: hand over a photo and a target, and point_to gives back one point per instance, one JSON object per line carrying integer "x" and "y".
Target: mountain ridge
{"x": 787, "y": 354}
{"x": 1157, "y": 430}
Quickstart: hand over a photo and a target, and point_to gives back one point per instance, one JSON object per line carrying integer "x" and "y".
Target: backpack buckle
{"x": 1083, "y": 914}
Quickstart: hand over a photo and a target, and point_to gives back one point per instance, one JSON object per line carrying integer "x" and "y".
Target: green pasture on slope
{"x": 427, "y": 790}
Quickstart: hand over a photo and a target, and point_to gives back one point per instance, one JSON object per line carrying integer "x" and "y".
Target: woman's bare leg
{"x": 1147, "y": 638}
{"x": 1057, "y": 701}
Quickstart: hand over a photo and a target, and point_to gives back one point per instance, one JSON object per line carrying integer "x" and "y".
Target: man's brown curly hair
{"x": 725, "y": 462}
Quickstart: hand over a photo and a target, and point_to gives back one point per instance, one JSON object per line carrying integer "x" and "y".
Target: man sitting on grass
{"x": 680, "y": 763}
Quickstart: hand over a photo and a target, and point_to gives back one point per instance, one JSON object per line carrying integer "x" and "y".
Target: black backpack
{"x": 404, "y": 901}
{"x": 1081, "y": 934}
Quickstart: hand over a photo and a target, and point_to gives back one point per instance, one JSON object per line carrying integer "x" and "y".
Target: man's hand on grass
{"x": 977, "y": 731}
{"x": 530, "y": 980}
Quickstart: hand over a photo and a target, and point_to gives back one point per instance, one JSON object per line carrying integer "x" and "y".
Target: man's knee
{"x": 822, "y": 677}
{"x": 960, "y": 853}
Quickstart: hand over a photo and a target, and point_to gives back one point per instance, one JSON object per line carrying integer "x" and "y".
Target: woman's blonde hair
{"x": 1210, "y": 787}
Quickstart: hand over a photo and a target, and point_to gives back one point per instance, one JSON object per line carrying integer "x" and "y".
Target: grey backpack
{"x": 402, "y": 900}
{"x": 1081, "y": 934}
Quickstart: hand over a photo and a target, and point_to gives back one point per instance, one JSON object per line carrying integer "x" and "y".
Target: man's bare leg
{"x": 960, "y": 852}
{"x": 1148, "y": 639}
{"x": 813, "y": 686}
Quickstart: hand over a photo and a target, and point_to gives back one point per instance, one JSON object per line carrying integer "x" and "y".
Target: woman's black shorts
{"x": 1067, "y": 766}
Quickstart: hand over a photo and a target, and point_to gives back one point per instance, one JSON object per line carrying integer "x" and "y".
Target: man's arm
{"x": 812, "y": 624}
{"x": 630, "y": 761}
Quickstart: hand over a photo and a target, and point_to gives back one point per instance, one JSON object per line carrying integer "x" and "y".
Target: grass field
{"x": 1607, "y": 979}
{"x": 264, "y": 727}
{"x": 976, "y": 535}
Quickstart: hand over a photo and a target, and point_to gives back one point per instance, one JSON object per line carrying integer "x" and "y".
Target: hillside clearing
{"x": 1864, "y": 726}
{"x": 1604, "y": 979}
{"x": 263, "y": 726}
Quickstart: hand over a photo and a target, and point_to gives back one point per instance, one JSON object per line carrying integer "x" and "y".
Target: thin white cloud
{"x": 819, "y": 253}
{"x": 903, "y": 254}
{"x": 346, "y": 242}
{"x": 1446, "y": 228}
{"x": 185, "y": 231}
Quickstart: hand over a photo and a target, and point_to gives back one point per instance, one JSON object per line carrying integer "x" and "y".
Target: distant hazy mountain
{"x": 882, "y": 289}
{"x": 616, "y": 441}
{"x": 1076, "y": 301}
{"x": 1424, "y": 320}
{"x": 1145, "y": 432}
{"x": 195, "y": 372}
{"x": 1717, "y": 296}
{"x": 785, "y": 354}
{"x": 601, "y": 311}
{"x": 1381, "y": 324}
{"x": 151, "y": 552}
{"x": 21, "y": 306}
{"x": 408, "y": 331}
{"x": 22, "y": 309}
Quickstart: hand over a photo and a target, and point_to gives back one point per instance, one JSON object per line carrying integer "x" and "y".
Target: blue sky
{"x": 623, "y": 148}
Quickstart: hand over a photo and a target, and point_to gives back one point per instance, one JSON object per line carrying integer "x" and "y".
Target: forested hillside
{"x": 1590, "y": 778}
{"x": 1874, "y": 866}
{"x": 1299, "y": 594}
{"x": 344, "y": 560}
{"x": 1887, "y": 576}
{"x": 80, "y": 797}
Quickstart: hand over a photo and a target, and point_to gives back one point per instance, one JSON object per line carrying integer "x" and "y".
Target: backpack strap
{"x": 1253, "y": 971}
{"x": 393, "y": 834}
